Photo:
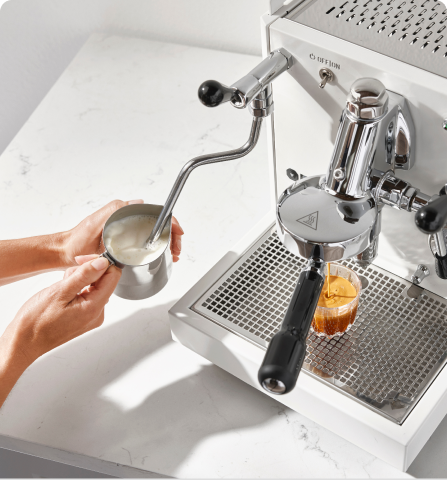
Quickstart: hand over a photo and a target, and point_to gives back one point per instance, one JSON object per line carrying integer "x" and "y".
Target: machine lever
{"x": 287, "y": 349}
{"x": 247, "y": 89}
{"x": 433, "y": 216}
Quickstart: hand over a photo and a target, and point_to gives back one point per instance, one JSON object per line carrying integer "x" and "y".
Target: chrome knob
{"x": 367, "y": 99}
{"x": 422, "y": 272}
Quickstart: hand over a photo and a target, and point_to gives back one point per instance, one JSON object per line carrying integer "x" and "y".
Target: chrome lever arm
{"x": 397, "y": 193}
{"x": 246, "y": 89}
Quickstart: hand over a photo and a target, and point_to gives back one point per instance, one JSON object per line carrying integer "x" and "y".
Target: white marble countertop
{"x": 125, "y": 399}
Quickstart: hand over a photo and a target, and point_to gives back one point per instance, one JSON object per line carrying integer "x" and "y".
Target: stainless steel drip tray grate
{"x": 388, "y": 358}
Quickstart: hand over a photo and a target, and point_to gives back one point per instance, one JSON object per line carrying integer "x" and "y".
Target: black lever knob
{"x": 212, "y": 93}
{"x": 287, "y": 349}
{"x": 432, "y": 217}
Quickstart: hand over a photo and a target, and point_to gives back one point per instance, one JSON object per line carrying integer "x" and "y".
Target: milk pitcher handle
{"x": 109, "y": 258}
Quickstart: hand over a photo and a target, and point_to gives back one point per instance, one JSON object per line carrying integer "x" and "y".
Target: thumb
{"x": 82, "y": 277}
{"x": 104, "y": 287}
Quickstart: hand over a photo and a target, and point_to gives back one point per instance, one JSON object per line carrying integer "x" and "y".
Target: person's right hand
{"x": 64, "y": 310}
{"x": 86, "y": 238}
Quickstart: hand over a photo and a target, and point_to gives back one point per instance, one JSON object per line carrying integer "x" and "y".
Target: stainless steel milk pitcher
{"x": 142, "y": 281}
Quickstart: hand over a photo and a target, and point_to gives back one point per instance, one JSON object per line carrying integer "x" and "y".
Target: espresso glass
{"x": 335, "y": 321}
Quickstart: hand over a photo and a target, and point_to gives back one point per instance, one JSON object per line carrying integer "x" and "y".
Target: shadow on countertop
{"x": 432, "y": 460}
{"x": 167, "y": 425}
{"x": 155, "y": 432}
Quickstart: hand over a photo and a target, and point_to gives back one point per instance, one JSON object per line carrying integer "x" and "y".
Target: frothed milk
{"x": 124, "y": 240}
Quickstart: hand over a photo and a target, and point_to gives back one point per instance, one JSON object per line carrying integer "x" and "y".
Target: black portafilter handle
{"x": 287, "y": 349}
{"x": 431, "y": 218}
{"x": 212, "y": 93}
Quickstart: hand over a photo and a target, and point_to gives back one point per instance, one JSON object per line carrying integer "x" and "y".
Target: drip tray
{"x": 388, "y": 358}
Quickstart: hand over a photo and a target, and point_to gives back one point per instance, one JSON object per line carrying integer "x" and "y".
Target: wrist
{"x": 58, "y": 246}
{"x": 13, "y": 363}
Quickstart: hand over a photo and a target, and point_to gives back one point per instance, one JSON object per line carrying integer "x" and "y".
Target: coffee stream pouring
{"x": 332, "y": 217}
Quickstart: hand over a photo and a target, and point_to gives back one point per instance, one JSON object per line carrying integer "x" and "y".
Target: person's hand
{"x": 54, "y": 316}
{"x": 176, "y": 239}
{"x": 66, "y": 309}
{"x": 86, "y": 238}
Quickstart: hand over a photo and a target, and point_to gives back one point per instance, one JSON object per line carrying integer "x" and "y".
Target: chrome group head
{"x": 341, "y": 210}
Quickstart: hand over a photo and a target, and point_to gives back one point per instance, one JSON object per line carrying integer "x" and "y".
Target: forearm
{"x": 13, "y": 362}
{"x": 26, "y": 257}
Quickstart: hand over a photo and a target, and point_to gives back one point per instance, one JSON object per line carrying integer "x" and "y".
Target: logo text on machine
{"x": 325, "y": 61}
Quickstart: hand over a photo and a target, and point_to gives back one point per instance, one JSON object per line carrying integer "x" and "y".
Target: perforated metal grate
{"x": 413, "y": 23}
{"x": 413, "y": 31}
{"x": 386, "y": 360}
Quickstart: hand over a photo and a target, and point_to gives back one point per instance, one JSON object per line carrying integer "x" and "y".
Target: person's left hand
{"x": 54, "y": 316}
{"x": 86, "y": 238}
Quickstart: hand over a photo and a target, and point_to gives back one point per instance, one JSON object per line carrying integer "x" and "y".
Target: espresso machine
{"x": 354, "y": 96}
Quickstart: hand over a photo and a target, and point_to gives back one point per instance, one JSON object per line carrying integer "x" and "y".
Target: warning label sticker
{"x": 310, "y": 220}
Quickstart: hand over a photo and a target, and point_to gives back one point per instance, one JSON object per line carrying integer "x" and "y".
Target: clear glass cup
{"x": 334, "y": 321}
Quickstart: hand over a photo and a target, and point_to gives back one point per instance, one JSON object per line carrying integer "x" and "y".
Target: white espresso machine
{"x": 354, "y": 95}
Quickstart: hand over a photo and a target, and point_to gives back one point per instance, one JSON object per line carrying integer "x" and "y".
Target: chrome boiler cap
{"x": 308, "y": 216}
{"x": 367, "y": 99}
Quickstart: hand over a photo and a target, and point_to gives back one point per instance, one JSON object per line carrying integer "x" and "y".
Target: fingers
{"x": 69, "y": 271}
{"x": 104, "y": 287}
{"x": 81, "y": 259}
{"x": 176, "y": 228}
{"x": 176, "y": 246}
{"x": 176, "y": 240}
{"x": 104, "y": 213}
{"x": 83, "y": 276}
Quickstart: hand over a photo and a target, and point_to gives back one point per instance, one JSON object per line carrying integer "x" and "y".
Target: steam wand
{"x": 197, "y": 162}
{"x": 252, "y": 90}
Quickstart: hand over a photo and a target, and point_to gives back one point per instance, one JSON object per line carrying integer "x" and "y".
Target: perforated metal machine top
{"x": 412, "y": 31}
{"x": 388, "y": 358}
